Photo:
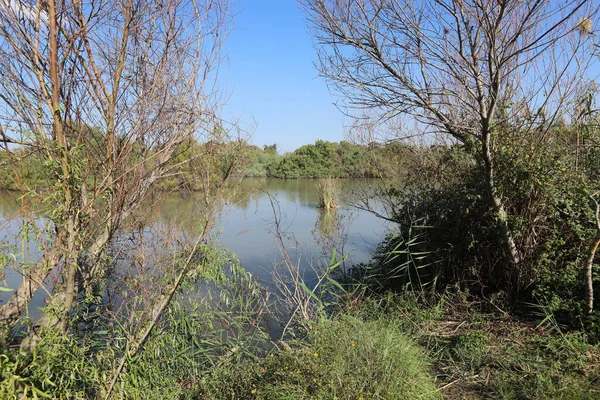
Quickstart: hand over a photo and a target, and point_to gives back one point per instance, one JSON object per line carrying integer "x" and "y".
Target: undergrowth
{"x": 343, "y": 358}
{"x": 478, "y": 354}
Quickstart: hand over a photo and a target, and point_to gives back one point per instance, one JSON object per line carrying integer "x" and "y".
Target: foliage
{"x": 342, "y": 160}
{"x": 260, "y": 163}
{"x": 344, "y": 358}
{"x": 196, "y": 165}
{"x": 448, "y": 233}
{"x": 444, "y": 227}
{"x": 23, "y": 168}
{"x": 44, "y": 373}
{"x": 196, "y": 333}
{"x": 194, "y": 160}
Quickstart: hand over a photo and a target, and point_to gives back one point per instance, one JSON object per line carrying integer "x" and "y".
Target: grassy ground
{"x": 399, "y": 348}
{"x": 478, "y": 355}
{"x": 343, "y": 358}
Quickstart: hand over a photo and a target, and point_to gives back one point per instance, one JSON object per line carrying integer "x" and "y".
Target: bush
{"x": 342, "y": 160}
{"x": 346, "y": 358}
{"x": 448, "y": 236}
{"x": 444, "y": 234}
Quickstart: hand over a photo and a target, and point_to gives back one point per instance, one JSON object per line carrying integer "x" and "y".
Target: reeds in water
{"x": 328, "y": 194}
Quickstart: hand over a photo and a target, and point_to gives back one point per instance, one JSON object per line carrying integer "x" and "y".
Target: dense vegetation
{"x": 338, "y": 160}
{"x": 343, "y": 358}
{"x": 448, "y": 222}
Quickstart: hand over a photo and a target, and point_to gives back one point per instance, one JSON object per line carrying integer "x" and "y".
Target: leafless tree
{"x": 461, "y": 68}
{"x": 105, "y": 92}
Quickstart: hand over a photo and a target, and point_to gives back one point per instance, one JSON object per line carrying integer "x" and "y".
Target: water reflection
{"x": 328, "y": 224}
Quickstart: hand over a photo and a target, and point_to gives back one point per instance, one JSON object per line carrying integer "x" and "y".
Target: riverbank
{"x": 452, "y": 349}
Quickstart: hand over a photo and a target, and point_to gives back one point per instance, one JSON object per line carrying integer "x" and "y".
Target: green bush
{"x": 445, "y": 231}
{"x": 448, "y": 236}
{"x": 342, "y": 160}
{"x": 60, "y": 367}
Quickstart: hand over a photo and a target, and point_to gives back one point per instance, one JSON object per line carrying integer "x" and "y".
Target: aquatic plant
{"x": 328, "y": 194}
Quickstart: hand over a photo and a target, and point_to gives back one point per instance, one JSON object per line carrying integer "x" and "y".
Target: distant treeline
{"x": 25, "y": 170}
{"x": 328, "y": 159}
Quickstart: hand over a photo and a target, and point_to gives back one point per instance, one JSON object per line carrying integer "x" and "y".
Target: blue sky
{"x": 271, "y": 78}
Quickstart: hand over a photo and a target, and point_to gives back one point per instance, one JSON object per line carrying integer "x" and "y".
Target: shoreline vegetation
{"x": 486, "y": 285}
{"x": 320, "y": 160}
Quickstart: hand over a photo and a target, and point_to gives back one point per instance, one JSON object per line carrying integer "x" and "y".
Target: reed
{"x": 328, "y": 194}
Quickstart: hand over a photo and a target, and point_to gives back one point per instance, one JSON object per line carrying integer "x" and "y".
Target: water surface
{"x": 248, "y": 225}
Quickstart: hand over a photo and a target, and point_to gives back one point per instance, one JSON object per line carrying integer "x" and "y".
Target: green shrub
{"x": 60, "y": 367}
{"x": 448, "y": 236}
{"x": 343, "y": 160}
{"x": 445, "y": 231}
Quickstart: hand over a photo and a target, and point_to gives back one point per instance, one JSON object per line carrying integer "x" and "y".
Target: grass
{"x": 377, "y": 347}
{"x": 486, "y": 355}
{"x": 345, "y": 358}
{"x": 401, "y": 347}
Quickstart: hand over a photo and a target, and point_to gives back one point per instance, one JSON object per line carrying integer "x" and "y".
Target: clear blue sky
{"x": 271, "y": 78}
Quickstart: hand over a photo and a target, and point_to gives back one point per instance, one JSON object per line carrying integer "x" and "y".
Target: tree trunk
{"x": 502, "y": 221}
{"x": 589, "y": 263}
{"x": 70, "y": 265}
{"x": 71, "y": 271}
{"x": 33, "y": 280}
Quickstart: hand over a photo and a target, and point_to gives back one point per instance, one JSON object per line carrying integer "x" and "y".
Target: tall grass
{"x": 328, "y": 194}
{"x": 480, "y": 352}
{"x": 344, "y": 358}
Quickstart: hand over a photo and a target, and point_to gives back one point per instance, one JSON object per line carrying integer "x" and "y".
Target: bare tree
{"x": 105, "y": 92}
{"x": 460, "y": 68}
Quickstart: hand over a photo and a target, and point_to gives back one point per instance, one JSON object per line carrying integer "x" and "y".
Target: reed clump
{"x": 328, "y": 194}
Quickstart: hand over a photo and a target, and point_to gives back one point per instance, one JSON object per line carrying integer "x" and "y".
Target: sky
{"x": 271, "y": 78}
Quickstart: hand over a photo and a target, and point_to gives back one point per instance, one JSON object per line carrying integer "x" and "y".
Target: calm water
{"x": 247, "y": 226}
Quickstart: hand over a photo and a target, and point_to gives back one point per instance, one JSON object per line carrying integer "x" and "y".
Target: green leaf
{"x": 335, "y": 283}
{"x": 310, "y": 292}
